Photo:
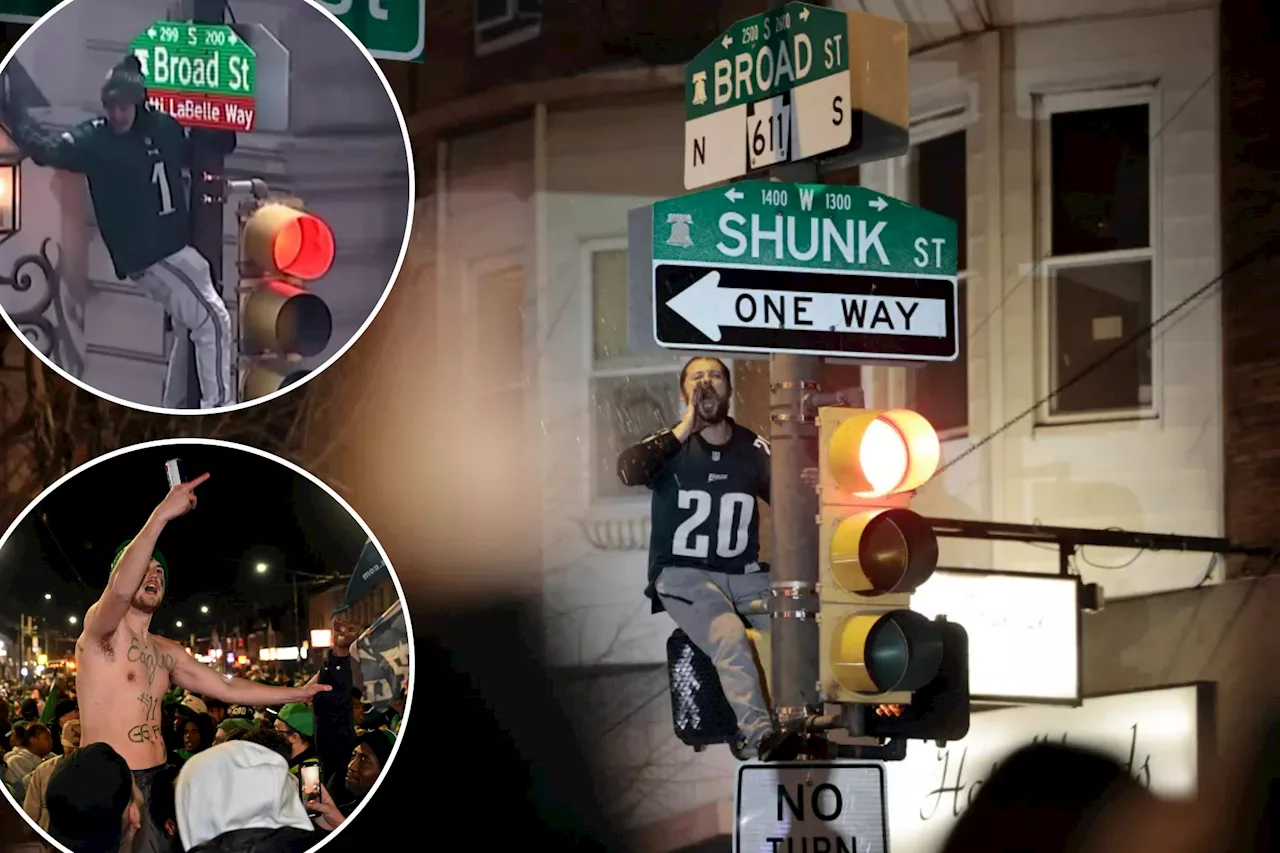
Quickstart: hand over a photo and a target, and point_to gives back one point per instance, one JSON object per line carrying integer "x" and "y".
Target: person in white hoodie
{"x": 238, "y": 797}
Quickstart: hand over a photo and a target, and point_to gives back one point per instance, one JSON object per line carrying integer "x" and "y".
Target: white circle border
{"x": 298, "y": 470}
{"x": 333, "y": 359}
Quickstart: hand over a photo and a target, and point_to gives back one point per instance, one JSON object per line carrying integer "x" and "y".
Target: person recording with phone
{"x": 706, "y": 473}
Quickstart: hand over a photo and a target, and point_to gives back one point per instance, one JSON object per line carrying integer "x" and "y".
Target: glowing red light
{"x": 303, "y": 247}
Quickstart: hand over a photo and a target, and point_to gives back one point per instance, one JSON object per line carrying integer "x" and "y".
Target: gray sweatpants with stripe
{"x": 183, "y": 284}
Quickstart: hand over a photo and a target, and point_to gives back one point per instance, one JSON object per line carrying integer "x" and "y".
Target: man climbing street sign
{"x": 764, "y": 266}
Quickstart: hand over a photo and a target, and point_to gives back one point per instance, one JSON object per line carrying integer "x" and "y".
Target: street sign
{"x": 774, "y": 87}
{"x": 201, "y": 74}
{"x": 765, "y": 266}
{"x": 790, "y": 807}
{"x": 390, "y": 29}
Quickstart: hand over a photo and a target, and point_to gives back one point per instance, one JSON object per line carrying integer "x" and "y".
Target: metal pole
{"x": 794, "y": 639}
{"x": 206, "y": 200}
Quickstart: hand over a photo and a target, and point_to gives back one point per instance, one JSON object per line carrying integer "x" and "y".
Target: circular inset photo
{"x": 197, "y": 214}
{"x": 198, "y": 641}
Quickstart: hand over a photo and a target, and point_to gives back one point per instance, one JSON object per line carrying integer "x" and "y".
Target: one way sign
{"x": 772, "y": 267}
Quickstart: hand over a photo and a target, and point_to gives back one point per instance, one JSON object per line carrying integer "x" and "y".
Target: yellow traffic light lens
{"x": 303, "y": 248}
{"x": 873, "y": 454}
{"x": 286, "y": 319}
{"x": 883, "y": 457}
{"x": 881, "y": 552}
{"x": 873, "y": 653}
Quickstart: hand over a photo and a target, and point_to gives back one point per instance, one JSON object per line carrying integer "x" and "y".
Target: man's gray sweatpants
{"x": 183, "y": 283}
{"x": 706, "y": 606}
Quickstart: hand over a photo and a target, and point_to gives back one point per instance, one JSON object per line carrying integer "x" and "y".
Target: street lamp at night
{"x": 48, "y": 596}
{"x": 178, "y": 624}
{"x": 262, "y": 567}
{"x": 10, "y": 187}
{"x": 72, "y": 620}
{"x": 204, "y": 608}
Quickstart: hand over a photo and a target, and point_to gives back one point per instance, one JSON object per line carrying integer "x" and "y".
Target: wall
{"x": 344, "y": 155}
{"x": 1159, "y": 474}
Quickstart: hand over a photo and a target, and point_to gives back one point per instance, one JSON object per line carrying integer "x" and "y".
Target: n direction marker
{"x": 734, "y": 195}
{"x": 710, "y": 308}
{"x": 878, "y": 203}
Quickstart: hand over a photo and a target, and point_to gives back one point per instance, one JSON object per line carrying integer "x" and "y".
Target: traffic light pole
{"x": 794, "y": 439}
{"x": 206, "y": 200}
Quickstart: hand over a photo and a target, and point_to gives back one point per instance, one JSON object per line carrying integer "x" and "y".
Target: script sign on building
{"x": 765, "y": 266}
{"x": 201, "y": 74}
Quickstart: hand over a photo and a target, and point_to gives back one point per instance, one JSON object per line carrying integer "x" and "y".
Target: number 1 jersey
{"x": 704, "y": 507}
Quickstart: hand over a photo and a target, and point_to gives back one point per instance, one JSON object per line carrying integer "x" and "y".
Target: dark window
{"x": 940, "y": 390}
{"x": 1095, "y": 309}
{"x": 1101, "y": 176}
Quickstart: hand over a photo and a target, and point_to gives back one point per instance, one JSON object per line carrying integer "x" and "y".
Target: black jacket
{"x": 284, "y": 840}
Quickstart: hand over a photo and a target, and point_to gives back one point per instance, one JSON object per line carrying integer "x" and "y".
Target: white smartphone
{"x": 310, "y": 783}
{"x": 173, "y": 471}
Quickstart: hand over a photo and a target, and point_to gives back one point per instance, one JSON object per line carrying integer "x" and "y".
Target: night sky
{"x": 251, "y": 510}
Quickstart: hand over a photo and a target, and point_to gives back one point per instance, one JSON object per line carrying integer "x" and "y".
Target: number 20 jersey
{"x": 704, "y": 507}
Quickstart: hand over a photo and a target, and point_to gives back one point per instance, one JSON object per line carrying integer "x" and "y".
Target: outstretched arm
{"x": 71, "y": 151}
{"x": 190, "y": 674}
{"x": 104, "y": 616}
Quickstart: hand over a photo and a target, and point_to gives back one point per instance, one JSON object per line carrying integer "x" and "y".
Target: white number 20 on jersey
{"x": 733, "y": 524}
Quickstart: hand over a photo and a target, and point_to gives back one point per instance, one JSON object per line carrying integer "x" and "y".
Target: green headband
{"x": 156, "y": 555}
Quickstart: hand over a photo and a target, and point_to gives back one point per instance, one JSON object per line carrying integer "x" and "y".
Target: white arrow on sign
{"x": 878, "y": 203}
{"x": 804, "y": 14}
{"x": 709, "y": 308}
{"x": 728, "y": 41}
{"x": 734, "y": 195}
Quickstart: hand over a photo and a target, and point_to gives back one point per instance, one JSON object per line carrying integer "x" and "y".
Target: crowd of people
{"x": 245, "y": 778}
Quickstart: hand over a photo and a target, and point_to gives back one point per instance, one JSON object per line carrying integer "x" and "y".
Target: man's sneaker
{"x": 743, "y": 749}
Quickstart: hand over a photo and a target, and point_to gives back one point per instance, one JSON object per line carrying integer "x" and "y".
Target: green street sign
{"x": 390, "y": 29}
{"x": 765, "y": 266}
{"x": 201, "y": 74}
{"x": 771, "y": 89}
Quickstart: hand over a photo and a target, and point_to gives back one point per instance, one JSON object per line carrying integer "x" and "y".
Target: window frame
{"x": 511, "y": 39}
{"x": 475, "y": 271}
{"x": 932, "y": 125}
{"x": 588, "y": 249}
{"x": 1045, "y": 106}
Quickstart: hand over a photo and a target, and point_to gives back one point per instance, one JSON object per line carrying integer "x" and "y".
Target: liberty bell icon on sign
{"x": 679, "y": 223}
{"x": 699, "y": 88}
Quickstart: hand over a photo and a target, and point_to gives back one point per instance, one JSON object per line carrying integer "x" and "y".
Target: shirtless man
{"x": 125, "y": 670}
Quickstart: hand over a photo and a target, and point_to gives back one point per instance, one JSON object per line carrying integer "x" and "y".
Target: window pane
{"x": 940, "y": 390}
{"x": 939, "y": 183}
{"x": 609, "y": 299}
{"x": 1096, "y": 308}
{"x": 1101, "y": 176}
{"x": 624, "y": 410}
{"x": 500, "y": 326}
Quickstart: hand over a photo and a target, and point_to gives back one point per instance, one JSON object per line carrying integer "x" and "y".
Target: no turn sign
{"x": 810, "y": 808}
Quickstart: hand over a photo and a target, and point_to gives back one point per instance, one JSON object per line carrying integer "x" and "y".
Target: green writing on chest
{"x": 150, "y": 659}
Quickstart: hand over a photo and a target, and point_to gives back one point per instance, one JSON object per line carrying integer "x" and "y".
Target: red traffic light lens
{"x": 303, "y": 247}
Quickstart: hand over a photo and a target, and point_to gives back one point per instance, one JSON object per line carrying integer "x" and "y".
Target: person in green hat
{"x": 230, "y": 725}
{"x": 297, "y": 722}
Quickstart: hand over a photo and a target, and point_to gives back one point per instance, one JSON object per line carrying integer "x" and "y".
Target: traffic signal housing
{"x": 874, "y": 553}
{"x": 282, "y": 249}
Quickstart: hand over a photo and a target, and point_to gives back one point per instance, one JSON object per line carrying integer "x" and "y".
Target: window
{"x": 937, "y": 181}
{"x": 1097, "y": 169}
{"x": 501, "y": 24}
{"x": 634, "y": 385}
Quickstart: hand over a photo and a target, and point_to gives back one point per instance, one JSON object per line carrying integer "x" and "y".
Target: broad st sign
{"x": 765, "y": 266}
{"x": 201, "y": 74}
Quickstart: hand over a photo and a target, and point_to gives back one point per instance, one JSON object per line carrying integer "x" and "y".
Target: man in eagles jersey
{"x": 133, "y": 158}
{"x": 706, "y": 473}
